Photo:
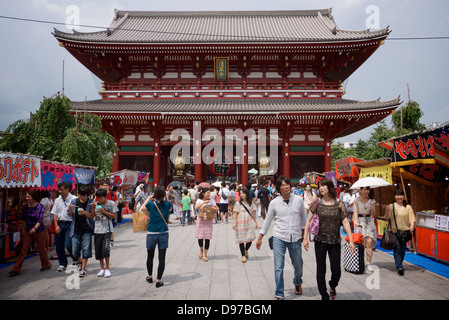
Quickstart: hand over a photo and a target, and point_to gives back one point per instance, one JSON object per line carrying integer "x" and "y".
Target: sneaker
{"x": 82, "y": 273}
{"x": 61, "y": 268}
{"x": 369, "y": 269}
{"x": 107, "y": 273}
{"x": 101, "y": 273}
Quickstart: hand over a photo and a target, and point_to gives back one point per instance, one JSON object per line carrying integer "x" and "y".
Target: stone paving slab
{"x": 223, "y": 278}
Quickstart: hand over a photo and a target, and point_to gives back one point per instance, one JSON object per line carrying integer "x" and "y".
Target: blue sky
{"x": 31, "y": 59}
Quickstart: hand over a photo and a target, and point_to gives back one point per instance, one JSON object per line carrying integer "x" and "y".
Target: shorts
{"x": 223, "y": 207}
{"x": 161, "y": 239}
{"x": 102, "y": 243}
{"x": 82, "y": 244}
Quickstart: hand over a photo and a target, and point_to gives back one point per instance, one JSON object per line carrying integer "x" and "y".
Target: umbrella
{"x": 217, "y": 184}
{"x": 204, "y": 185}
{"x": 176, "y": 184}
{"x": 371, "y": 182}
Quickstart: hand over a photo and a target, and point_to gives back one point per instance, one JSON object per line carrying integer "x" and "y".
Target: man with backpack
{"x": 265, "y": 199}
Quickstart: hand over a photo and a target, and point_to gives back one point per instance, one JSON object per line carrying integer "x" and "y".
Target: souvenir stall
{"x": 423, "y": 159}
{"x": 19, "y": 173}
{"x": 126, "y": 181}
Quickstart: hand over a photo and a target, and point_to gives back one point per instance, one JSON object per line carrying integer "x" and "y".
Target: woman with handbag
{"x": 403, "y": 223}
{"x": 204, "y": 225}
{"x": 244, "y": 222}
{"x": 159, "y": 212}
{"x": 33, "y": 230}
{"x": 332, "y": 215}
{"x": 364, "y": 222}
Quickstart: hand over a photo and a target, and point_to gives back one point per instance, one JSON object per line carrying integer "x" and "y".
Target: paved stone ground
{"x": 224, "y": 277}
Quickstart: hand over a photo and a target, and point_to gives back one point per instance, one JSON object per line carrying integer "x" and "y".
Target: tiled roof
{"x": 222, "y": 26}
{"x": 234, "y": 106}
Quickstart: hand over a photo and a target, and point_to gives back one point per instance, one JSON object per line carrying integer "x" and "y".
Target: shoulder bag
{"x": 314, "y": 227}
{"x": 388, "y": 241}
{"x": 160, "y": 213}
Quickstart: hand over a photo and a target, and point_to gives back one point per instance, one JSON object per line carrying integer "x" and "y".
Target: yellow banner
{"x": 383, "y": 172}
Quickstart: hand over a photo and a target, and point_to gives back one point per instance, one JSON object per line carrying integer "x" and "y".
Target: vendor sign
{"x": 85, "y": 176}
{"x": 383, "y": 172}
{"x": 19, "y": 171}
{"x": 124, "y": 177}
{"x": 53, "y": 174}
{"x": 412, "y": 149}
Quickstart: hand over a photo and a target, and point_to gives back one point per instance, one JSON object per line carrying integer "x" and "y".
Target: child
{"x": 186, "y": 201}
{"x": 105, "y": 212}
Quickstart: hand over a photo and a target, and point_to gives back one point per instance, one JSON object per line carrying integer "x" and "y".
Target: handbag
{"x": 140, "y": 221}
{"x": 208, "y": 212}
{"x": 314, "y": 227}
{"x": 52, "y": 229}
{"x": 388, "y": 241}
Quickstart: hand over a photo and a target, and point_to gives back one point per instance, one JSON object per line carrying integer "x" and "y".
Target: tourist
{"x": 112, "y": 196}
{"x": 82, "y": 227}
{"x": 308, "y": 197}
{"x": 213, "y": 200}
{"x": 47, "y": 204}
{"x": 265, "y": 199}
{"x": 402, "y": 220}
{"x": 231, "y": 198}
{"x": 159, "y": 211}
{"x": 244, "y": 223}
{"x": 332, "y": 214}
{"x": 142, "y": 197}
{"x": 62, "y": 222}
{"x": 33, "y": 230}
{"x": 288, "y": 213}
{"x": 224, "y": 202}
{"x": 364, "y": 222}
{"x": 105, "y": 212}
{"x": 193, "y": 196}
{"x": 186, "y": 201}
{"x": 204, "y": 227}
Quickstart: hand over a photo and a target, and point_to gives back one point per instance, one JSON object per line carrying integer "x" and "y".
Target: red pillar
{"x": 244, "y": 164}
{"x": 197, "y": 158}
{"x": 327, "y": 155}
{"x": 157, "y": 162}
{"x": 286, "y": 159}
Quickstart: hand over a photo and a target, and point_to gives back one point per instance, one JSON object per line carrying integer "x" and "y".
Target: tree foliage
{"x": 404, "y": 120}
{"x": 53, "y": 134}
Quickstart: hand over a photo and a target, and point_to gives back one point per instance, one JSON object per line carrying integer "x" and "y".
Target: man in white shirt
{"x": 289, "y": 216}
{"x": 223, "y": 193}
{"x": 63, "y": 221}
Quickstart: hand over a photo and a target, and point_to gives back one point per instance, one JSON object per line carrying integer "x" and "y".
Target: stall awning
{"x": 423, "y": 156}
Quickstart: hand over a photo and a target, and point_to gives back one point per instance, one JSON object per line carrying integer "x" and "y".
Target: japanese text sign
{"x": 19, "y": 171}
{"x": 414, "y": 147}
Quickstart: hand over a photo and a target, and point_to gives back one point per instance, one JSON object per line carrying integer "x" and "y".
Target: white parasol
{"x": 371, "y": 182}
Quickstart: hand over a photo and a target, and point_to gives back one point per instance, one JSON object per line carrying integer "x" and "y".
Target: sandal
{"x": 243, "y": 259}
{"x": 333, "y": 293}
{"x": 200, "y": 255}
{"x": 205, "y": 259}
{"x": 13, "y": 273}
{"x": 298, "y": 290}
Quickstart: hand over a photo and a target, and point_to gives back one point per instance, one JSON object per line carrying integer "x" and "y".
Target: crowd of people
{"x": 77, "y": 220}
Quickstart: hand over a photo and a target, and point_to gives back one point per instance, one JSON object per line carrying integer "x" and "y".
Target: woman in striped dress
{"x": 245, "y": 223}
{"x": 204, "y": 227}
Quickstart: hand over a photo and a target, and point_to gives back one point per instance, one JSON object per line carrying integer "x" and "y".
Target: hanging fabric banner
{"x": 53, "y": 174}
{"x": 18, "y": 170}
{"x": 85, "y": 176}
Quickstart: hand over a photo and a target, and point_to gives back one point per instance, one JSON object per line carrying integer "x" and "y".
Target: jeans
{"x": 295, "y": 252}
{"x": 82, "y": 243}
{"x": 399, "y": 252}
{"x": 63, "y": 241}
{"x": 334, "y": 252}
{"x": 184, "y": 214}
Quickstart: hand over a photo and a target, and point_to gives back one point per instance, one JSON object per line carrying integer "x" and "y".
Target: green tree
{"x": 338, "y": 152}
{"x": 53, "y": 134}
{"x": 406, "y": 119}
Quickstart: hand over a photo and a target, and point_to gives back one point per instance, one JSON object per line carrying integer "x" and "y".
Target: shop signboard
{"x": 345, "y": 168}
{"x": 17, "y": 170}
{"x": 383, "y": 172}
{"x": 415, "y": 148}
